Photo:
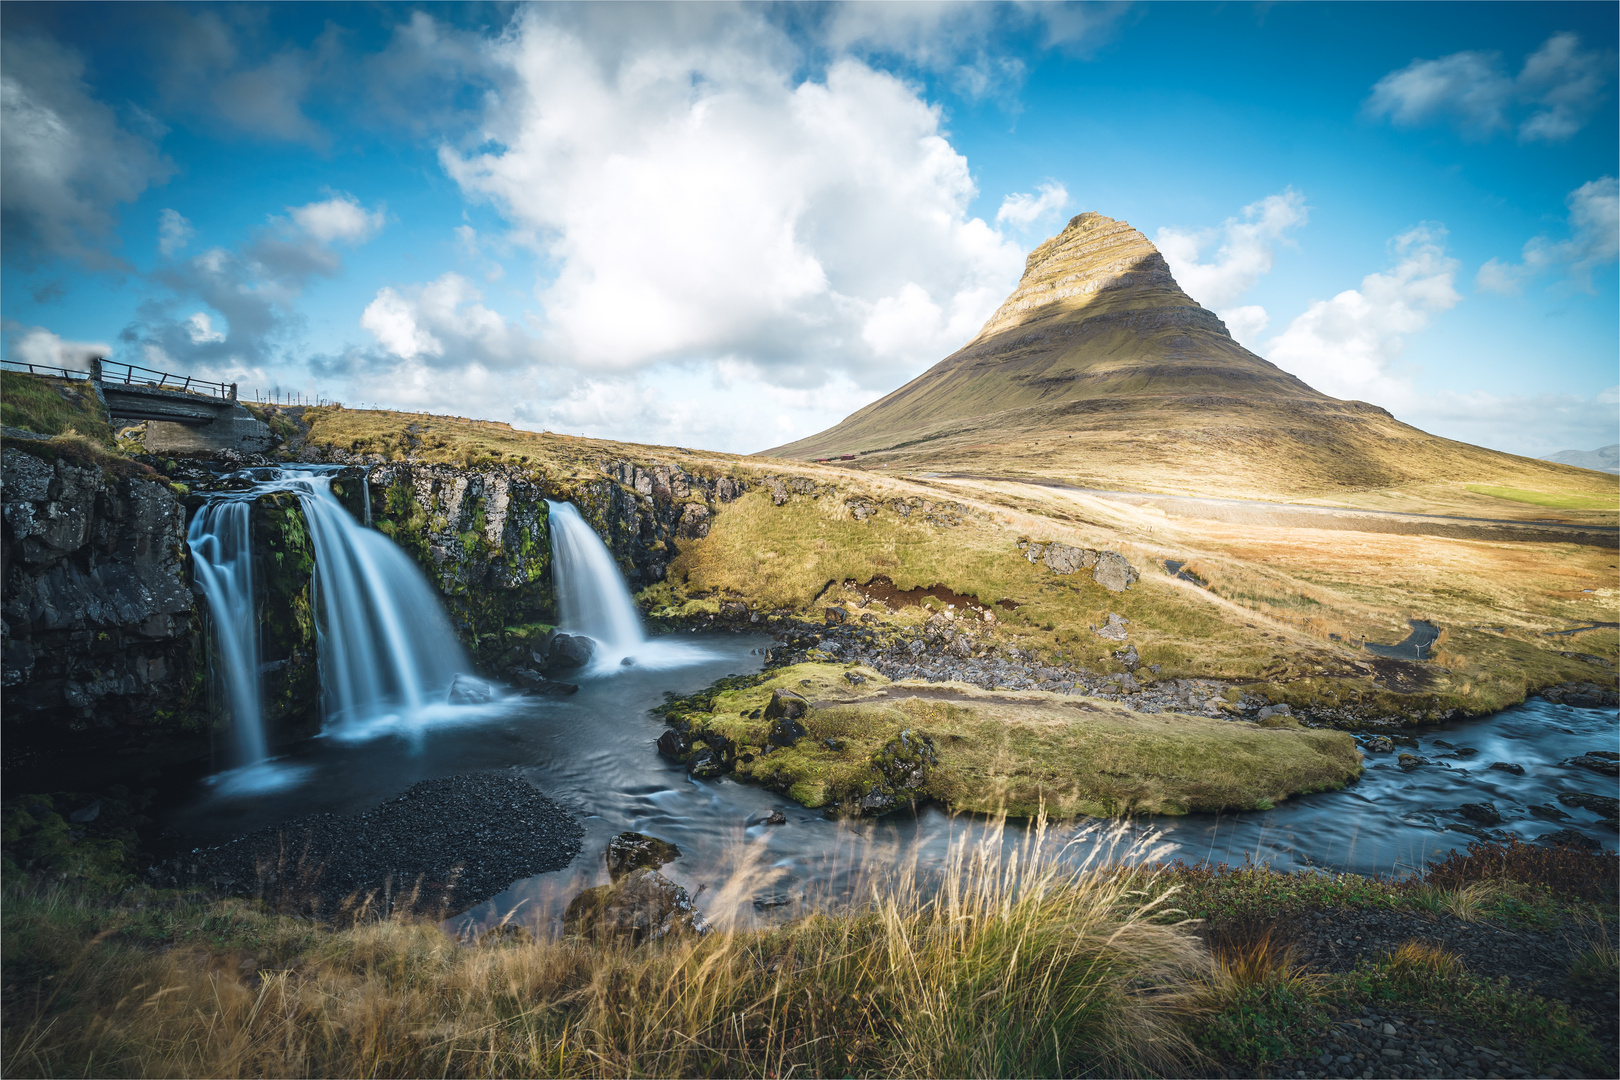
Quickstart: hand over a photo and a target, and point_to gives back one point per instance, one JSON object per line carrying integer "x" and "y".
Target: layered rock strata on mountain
{"x": 1098, "y": 369}
{"x": 102, "y": 652}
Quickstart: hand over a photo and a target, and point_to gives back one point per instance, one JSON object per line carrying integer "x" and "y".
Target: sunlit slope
{"x": 1098, "y": 370}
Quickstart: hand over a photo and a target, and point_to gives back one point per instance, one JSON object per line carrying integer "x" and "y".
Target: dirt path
{"x": 1303, "y": 516}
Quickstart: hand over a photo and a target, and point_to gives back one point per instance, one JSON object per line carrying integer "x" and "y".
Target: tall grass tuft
{"x": 1009, "y": 964}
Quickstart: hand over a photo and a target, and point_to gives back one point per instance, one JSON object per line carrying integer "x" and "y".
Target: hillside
{"x": 1099, "y": 371}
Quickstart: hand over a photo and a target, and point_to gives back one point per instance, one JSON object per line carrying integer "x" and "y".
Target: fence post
{"x": 233, "y": 391}
{"x": 95, "y": 368}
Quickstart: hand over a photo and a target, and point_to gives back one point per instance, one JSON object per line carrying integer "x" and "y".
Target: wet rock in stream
{"x": 440, "y": 847}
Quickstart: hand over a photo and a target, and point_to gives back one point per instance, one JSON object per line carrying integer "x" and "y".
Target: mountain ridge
{"x": 1099, "y": 370}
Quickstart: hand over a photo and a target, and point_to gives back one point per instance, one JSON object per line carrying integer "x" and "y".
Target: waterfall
{"x": 385, "y": 644}
{"x": 220, "y": 544}
{"x": 593, "y": 599}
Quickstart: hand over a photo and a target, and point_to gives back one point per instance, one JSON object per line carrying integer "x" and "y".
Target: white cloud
{"x": 1594, "y": 241}
{"x": 65, "y": 163}
{"x": 1245, "y": 250}
{"x": 446, "y": 319}
{"x": 39, "y": 346}
{"x": 338, "y": 218}
{"x": 1023, "y": 209}
{"x": 1528, "y": 424}
{"x": 1559, "y": 86}
{"x": 1346, "y": 346}
{"x": 201, "y": 329}
{"x": 174, "y": 232}
{"x": 698, "y": 200}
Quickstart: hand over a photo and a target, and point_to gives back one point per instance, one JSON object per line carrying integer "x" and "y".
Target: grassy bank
{"x": 1013, "y": 968}
{"x": 1014, "y": 752}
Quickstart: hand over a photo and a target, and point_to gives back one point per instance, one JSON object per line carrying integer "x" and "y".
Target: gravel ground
{"x": 1392, "y": 1042}
{"x": 464, "y": 838}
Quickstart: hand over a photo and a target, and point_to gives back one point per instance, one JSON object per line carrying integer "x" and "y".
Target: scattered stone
{"x": 1606, "y": 762}
{"x": 776, "y": 817}
{"x": 1126, "y": 682}
{"x": 1410, "y": 761}
{"x": 1274, "y": 710}
{"x": 1483, "y": 812}
{"x": 641, "y": 907}
{"x": 706, "y": 765}
{"x": 673, "y": 744}
{"x": 632, "y": 850}
{"x": 1508, "y": 767}
{"x": 854, "y": 678}
{"x": 1128, "y": 656}
{"x": 837, "y": 615}
{"x": 1380, "y": 744}
{"x": 87, "y": 814}
{"x": 834, "y": 744}
{"x": 1551, "y": 813}
{"x": 1113, "y": 629}
{"x": 785, "y": 704}
{"x": 1113, "y": 573}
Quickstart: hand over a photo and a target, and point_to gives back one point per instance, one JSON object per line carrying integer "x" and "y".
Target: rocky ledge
{"x": 439, "y": 848}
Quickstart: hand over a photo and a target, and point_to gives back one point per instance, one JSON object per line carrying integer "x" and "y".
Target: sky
{"x": 729, "y": 226}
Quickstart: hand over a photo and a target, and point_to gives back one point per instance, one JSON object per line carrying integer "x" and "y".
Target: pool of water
{"x": 594, "y": 752}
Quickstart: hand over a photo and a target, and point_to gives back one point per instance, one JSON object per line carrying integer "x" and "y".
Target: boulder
{"x": 466, "y": 690}
{"x": 1063, "y": 559}
{"x": 1410, "y": 761}
{"x": 903, "y": 766}
{"x": 640, "y": 907}
{"x": 673, "y": 744}
{"x": 1508, "y": 767}
{"x": 569, "y": 651}
{"x": 1550, "y": 812}
{"x": 707, "y": 764}
{"x": 1606, "y": 762}
{"x": 1379, "y": 744}
{"x": 1114, "y": 629}
{"x": 1113, "y": 573}
{"x": 1569, "y": 838}
{"x": 1602, "y": 805}
{"x": 836, "y": 616}
{"x": 785, "y": 704}
{"x": 1129, "y": 657}
{"x": 632, "y": 850}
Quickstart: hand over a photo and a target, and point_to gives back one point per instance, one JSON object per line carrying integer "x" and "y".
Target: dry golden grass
{"x": 1013, "y": 967}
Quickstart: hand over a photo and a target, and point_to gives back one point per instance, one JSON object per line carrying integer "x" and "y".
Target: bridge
{"x": 182, "y": 413}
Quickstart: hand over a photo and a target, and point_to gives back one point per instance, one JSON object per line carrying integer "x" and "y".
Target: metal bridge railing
{"x": 111, "y": 371}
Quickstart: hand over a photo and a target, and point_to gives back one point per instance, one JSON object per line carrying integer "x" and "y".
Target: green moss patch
{"x": 1017, "y": 752}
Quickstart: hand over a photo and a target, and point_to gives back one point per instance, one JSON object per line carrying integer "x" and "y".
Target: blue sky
{"x": 730, "y": 226}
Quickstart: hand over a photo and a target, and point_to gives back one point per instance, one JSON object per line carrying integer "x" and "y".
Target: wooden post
{"x": 233, "y": 391}
{"x": 95, "y": 368}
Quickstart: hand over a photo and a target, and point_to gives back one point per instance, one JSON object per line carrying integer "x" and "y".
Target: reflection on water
{"x": 593, "y": 751}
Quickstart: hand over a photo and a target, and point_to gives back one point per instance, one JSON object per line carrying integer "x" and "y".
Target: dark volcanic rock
{"x": 1606, "y": 762}
{"x": 1508, "y": 767}
{"x": 642, "y": 906}
{"x": 632, "y": 850}
{"x": 1483, "y": 812}
{"x": 442, "y": 846}
{"x": 569, "y": 651}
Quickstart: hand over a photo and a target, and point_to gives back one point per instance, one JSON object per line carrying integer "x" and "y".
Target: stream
{"x": 593, "y": 752}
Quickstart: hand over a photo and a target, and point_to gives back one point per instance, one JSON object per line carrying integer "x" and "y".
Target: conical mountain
{"x": 1098, "y": 370}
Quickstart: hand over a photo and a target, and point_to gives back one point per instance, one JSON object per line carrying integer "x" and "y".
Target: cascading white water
{"x": 220, "y": 542}
{"x": 593, "y": 600}
{"x": 384, "y": 641}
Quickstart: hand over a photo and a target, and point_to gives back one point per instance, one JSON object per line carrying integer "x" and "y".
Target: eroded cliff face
{"x": 481, "y": 535}
{"x": 103, "y": 654}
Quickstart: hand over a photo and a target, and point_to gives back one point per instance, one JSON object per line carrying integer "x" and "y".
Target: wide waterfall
{"x": 385, "y": 644}
{"x": 593, "y": 599}
{"x": 387, "y": 653}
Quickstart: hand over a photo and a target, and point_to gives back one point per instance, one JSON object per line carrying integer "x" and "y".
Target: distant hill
{"x": 1099, "y": 371}
{"x": 1603, "y": 459}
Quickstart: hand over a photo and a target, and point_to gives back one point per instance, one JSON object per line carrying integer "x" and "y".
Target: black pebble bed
{"x": 464, "y": 838}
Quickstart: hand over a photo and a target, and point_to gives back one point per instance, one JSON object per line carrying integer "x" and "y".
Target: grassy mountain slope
{"x": 1099, "y": 371}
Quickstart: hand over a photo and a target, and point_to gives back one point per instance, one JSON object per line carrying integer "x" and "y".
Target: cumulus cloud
{"x": 1594, "y": 241}
{"x": 338, "y": 218}
{"x": 1348, "y": 345}
{"x": 1553, "y": 95}
{"x": 37, "y": 345}
{"x": 254, "y": 289}
{"x": 1244, "y": 251}
{"x": 174, "y": 232}
{"x": 698, "y": 203}
{"x": 65, "y": 161}
{"x": 1023, "y": 209}
{"x": 446, "y": 321}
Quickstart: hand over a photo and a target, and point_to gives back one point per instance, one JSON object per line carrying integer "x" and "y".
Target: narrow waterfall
{"x": 384, "y": 641}
{"x": 220, "y": 543}
{"x": 593, "y": 599}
